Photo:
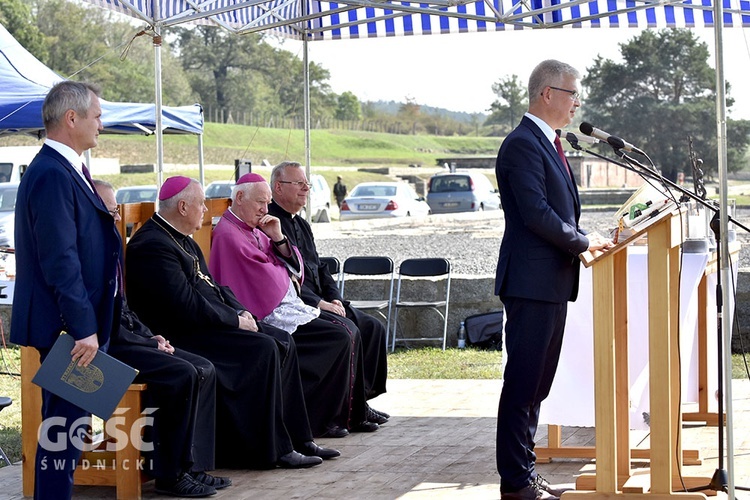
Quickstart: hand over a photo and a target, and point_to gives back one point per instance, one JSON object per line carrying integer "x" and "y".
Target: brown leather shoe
{"x": 544, "y": 485}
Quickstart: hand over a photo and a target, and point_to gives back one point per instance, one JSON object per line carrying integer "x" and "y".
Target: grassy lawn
{"x": 424, "y": 363}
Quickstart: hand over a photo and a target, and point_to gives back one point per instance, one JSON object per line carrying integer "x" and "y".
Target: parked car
{"x": 461, "y": 192}
{"x": 370, "y": 200}
{"x": 8, "y": 191}
{"x": 135, "y": 194}
{"x": 320, "y": 198}
{"x": 219, "y": 189}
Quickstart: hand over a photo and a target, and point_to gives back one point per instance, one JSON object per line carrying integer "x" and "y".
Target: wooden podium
{"x": 613, "y": 477}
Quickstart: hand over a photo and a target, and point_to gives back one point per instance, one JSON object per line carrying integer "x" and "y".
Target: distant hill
{"x": 392, "y": 107}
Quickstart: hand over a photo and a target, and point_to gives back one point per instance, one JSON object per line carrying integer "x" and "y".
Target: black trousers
{"x": 182, "y": 388}
{"x": 533, "y": 339}
{"x": 374, "y": 351}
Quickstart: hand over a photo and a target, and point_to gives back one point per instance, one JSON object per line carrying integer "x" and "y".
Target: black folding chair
{"x": 440, "y": 272}
{"x": 334, "y": 267}
{"x": 377, "y": 303}
{"x": 5, "y": 402}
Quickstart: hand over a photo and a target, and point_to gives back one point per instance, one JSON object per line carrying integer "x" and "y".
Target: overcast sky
{"x": 457, "y": 71}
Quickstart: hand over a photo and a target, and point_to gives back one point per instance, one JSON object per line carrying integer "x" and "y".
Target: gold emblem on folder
{"x": 84, "y": 378}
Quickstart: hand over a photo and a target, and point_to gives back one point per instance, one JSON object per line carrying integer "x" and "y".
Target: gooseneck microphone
{"x": 612, "y": 140}
{"x": 572, "y": 137}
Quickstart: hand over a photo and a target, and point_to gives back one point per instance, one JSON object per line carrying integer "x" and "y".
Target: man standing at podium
{"x": 537, "y": 269}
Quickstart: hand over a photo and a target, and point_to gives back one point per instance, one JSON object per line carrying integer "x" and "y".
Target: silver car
{"x": 371, "y": 200}
{"x": 8, "y": 191}
{"x": 461, "y": 192}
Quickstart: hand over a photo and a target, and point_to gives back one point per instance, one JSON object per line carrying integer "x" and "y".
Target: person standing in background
{"x": 537, "y": 269}
{"x": 68, "y": 251}
{"x": 339, "y": 191}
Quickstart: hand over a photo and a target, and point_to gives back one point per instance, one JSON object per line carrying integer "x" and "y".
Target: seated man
{"x": 182, "y": 387}
{"x": 289, "y": 188}
{"x": 261, "y": 415}
{"x": 250, "y": 255}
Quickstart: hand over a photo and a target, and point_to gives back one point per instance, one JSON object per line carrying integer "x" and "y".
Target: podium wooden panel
{"x": 611, "y": 388}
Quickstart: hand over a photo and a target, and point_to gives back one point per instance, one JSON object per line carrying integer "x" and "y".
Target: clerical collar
{"x": 283, "y": 211}
{"x": 238, "y": 219}
{"x": 158, "y": 217}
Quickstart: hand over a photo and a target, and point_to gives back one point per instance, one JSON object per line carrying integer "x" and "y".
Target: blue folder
{"x": 97, "y": 388}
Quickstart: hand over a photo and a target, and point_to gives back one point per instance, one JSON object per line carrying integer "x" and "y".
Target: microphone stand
{"x": 719, "y": 481}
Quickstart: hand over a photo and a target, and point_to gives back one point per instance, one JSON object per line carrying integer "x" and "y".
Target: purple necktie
{"x": 87, "y": 175}
{"x": 120, "y": 281}
{"x": 561, "y": 154}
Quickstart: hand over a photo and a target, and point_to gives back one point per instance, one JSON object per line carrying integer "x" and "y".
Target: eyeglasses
{"x": 574, "y": 94}
{"x": 298, "y": 184}
{"x": 114, "y": 212}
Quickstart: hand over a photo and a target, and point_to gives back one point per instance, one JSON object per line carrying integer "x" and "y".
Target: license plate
{"x": 450, "y": 204}
{"x": 367, "y": 207}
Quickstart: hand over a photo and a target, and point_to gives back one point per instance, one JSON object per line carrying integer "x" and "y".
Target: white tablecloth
{"x": 571, "y": 401}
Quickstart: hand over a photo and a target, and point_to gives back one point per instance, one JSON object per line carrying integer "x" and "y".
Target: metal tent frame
{"x": 311, "y": 20}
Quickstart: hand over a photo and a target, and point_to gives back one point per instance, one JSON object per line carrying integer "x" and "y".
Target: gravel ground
{"x": 469, "y": 240}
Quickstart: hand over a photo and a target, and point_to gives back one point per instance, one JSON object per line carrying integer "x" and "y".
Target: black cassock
{"x": 182, "y": 388}
{"x": 319, "y": 284}
{"x": 261, "y": 411}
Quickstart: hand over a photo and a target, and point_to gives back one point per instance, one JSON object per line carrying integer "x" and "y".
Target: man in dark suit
{"x": 67, "y": 258}
{"x": 537, "y": 270}
{"x": 181, "y": 387}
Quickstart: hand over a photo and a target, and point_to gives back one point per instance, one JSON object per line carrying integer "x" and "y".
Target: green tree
{"x": 348, "y": 107}
{"x": 663, "y": 92}
{"x": 88, "y": 43}
{"x": 512, "y": 101}
{"x": 243, "y": 73}
{"x": 16, "y": 16}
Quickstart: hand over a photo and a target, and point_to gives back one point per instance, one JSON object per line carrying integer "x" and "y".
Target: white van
{"x": 14, "y": 160}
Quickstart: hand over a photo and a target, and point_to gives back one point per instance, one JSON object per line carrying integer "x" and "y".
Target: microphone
{"x": 612, "y": 140}
{"x": 574, "y": 139}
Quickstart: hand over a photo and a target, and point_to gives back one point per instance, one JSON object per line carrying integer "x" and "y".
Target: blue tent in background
{"x": 25, "y": 81}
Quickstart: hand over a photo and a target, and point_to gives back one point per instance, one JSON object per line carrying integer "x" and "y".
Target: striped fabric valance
{"x": 366, "y": 18}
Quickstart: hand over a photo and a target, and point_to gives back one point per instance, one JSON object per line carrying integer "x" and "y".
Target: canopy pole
{"x": 726, "y": 329}
{"x": 157, "y": 94}
{"x": 201, "y": 170}
{"x": 306, "y": 99}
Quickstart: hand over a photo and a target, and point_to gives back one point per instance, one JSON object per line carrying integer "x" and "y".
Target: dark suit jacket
{"x": 539, "y": 253}
{"x": 67, "y": 252}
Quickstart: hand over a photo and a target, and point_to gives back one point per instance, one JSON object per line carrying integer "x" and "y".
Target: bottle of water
{"x": 462, "y": 336}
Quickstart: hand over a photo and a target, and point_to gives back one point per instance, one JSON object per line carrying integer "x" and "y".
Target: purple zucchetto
{"x": 172, "y": 186}
{"x": 250, "y": 178}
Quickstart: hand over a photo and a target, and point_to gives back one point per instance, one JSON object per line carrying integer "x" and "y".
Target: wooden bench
{"x": 120, "y": 468}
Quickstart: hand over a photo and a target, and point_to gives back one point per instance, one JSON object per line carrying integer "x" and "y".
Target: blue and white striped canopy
{"x": 327, "y": 20}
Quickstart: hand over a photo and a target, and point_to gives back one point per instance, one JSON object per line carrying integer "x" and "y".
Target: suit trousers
{"x": 533, "y": 339}
{"x": 56, "y": 454}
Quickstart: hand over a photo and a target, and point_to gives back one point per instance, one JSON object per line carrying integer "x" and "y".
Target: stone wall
{"x": 473, "y": 295}
{"x": 468, "y": 295}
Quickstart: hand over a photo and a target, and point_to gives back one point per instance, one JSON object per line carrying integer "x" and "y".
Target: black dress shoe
{"x": 530, "y": 492}
{"x": 184, "y": 486}
{"x": 311, "y": 449}
{"x": 381, "y": 413}
{"x": 375, "y": 417}
{"x": 294, "y": 460}
{"x": 365, "y": 427}
{"x": 334, "y": 432}
{"x": 217, "y": 482}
